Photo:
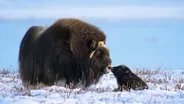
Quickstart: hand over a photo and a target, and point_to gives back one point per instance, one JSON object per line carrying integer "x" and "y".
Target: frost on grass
{"x": 165, "y": 87}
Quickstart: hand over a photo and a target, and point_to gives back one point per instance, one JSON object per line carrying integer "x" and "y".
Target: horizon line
{"x": 95, "y": 12}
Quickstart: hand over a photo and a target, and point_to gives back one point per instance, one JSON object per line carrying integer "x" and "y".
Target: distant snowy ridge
{"x": 120, "y": 12}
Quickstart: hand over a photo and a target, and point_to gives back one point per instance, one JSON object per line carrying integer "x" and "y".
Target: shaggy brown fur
{"x": 127, "y": 79}
{"x": 67, "y": 49}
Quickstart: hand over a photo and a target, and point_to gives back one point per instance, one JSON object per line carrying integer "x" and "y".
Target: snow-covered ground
{"x": 165, "y": 87}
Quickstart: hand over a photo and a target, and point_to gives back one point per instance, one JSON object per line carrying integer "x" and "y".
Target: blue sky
{"x": 139, "y": 32}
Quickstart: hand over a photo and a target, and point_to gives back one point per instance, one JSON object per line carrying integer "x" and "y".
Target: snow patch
{"x": 164, "y": 88}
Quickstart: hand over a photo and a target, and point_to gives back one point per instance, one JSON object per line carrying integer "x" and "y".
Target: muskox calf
{"x": 127, "y": 79}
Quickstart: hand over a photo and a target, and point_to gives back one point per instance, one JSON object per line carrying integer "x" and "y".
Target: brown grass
{"x": 164, "y": 77}
{"x": 4, "y": 71}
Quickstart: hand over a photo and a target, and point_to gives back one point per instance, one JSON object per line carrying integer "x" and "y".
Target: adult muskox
{"x": 69, "y": 49}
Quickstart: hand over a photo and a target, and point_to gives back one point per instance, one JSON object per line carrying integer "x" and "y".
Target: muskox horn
{"x": 100, "y": 44}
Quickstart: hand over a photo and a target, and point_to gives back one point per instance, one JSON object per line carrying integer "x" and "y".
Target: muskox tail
{"x": 29, "y": 66}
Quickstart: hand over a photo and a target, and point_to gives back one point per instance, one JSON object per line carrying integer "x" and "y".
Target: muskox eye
{"x": 98, "y": 52}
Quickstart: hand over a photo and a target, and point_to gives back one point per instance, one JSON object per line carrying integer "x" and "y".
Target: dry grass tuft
{"x": 4, "y": 71}
{"x": 158, "y": 77}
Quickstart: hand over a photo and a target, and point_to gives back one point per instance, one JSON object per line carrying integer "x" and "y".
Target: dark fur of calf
{"x": 127, "y": 79}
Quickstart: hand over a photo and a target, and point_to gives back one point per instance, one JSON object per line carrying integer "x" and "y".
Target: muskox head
{"x": 127, "y": 79}
{"x": 100, "y": 56}
{"x": 99, "y": 62}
